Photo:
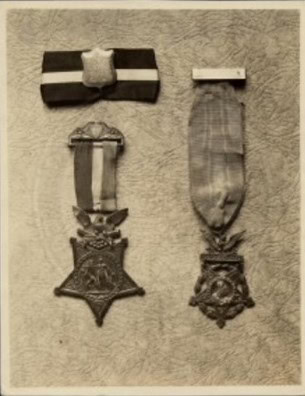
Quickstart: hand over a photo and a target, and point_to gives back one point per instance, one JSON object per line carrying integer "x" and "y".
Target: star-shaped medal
{"x": 98, "y": 276}
{"x": 98, "y": 67}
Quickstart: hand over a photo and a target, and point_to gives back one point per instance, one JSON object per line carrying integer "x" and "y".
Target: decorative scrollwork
{"x": 97, "y": 131}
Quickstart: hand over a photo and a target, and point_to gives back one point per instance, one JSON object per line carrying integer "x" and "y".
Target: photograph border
{"x": 6, "y": 389}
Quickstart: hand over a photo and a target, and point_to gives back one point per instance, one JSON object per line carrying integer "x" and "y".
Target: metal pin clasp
{"x": 219, "y": 74}
{"x": 96, "y": 132}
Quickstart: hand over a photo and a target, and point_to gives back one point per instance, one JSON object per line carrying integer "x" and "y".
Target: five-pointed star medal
{"x": 98, "y": 276}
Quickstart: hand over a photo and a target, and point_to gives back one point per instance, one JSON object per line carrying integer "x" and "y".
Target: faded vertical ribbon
{"x": 216, "y": 155}
{"x": 95, "y": 191}
{"x": 83, "y": 175}
{"x": 108, "y": 190}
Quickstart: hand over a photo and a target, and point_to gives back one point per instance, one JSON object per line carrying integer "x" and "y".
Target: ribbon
{"x": 83, "y": 175}
{"x": 95, "y": 176}
{"x": 63, "y": 74}
{"x": 216, "y": 155}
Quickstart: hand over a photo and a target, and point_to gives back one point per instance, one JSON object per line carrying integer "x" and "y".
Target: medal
{"x": 216, "y": 163}
{"x": 98, "y": 275}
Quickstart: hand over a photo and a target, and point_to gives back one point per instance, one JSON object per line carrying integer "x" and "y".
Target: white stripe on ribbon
{"x": 97, "y": 175}
{"x": 122, "y": 75}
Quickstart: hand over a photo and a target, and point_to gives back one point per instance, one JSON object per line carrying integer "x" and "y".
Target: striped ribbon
{"x": 216, "y": 155}
{"x": 62, "y": 84}
{"x": 95, "y": 176}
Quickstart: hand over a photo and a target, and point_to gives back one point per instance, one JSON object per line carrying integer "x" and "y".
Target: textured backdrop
{"x": 157, "y": 339}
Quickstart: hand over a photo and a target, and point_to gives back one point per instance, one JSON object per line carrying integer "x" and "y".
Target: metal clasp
{"x": 219, "y": 74}
{"x": 97, "y": 133}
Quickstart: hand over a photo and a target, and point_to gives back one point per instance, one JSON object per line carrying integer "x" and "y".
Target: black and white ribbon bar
{"x": 136, "y": 71}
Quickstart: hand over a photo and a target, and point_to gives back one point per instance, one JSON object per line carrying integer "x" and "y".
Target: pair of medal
{"x": 216, "y": 163}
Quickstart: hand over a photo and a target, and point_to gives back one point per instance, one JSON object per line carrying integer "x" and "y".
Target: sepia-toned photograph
{"x": 151, "y": 198}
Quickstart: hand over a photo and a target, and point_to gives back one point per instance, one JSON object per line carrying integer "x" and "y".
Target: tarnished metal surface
{"x": 221, "y": 292}
{"x": 98, "y": 275}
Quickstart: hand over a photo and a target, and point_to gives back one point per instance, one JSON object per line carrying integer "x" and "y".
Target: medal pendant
{"x": 221, "y": 292}
{"x": 98, "y": 276}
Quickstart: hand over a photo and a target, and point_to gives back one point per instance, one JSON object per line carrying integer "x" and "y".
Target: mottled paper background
{"x": 157, "y": 339}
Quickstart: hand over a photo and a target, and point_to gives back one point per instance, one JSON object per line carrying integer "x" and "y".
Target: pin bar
{"x": 219, "y": 74}
{"x": 97, "y": 133}
{"x": 95, "y": 142}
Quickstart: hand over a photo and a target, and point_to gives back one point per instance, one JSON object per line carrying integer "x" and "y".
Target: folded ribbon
{"x": 135, "y": 77}
{"x": 216, "y": 154}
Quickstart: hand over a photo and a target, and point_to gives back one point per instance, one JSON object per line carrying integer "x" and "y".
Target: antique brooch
{"x": 98, "y": 276}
